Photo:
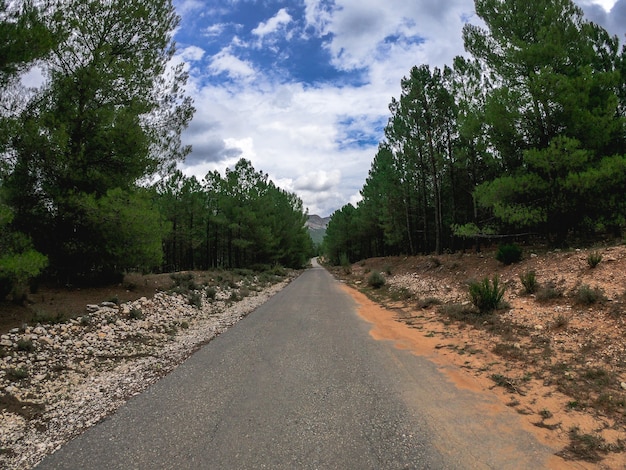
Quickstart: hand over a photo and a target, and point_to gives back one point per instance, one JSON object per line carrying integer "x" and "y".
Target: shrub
{"x": 183, "y": 282}
{"x": 15, "y": 374}
{"x": 195, "y": 299}
{"x": 278, "y": 270}
{"x": 587, "y": 295}
{"x": 428, "y": 302}
{"x": 25, "y": 345}
{"x": 135, "y": 314}
{"x": 594, "y": 259}
{"x": 211, "y": 293}
{"x": 345, "y": 263}
{"x": 487, "y": 295}
{"x": 529, "y": 281}
{"x": 509, "y": 254}
{"x": 376, "y": 280}
{"x": 17, "y": 270}
{"x": 435, "y": 262}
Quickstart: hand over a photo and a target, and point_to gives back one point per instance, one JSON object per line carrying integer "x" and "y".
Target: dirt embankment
{"x": 557, "y": 356}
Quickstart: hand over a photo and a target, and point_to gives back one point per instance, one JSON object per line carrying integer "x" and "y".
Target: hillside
{"x": 317, "y": 227}
{"x": 556, "y": 356}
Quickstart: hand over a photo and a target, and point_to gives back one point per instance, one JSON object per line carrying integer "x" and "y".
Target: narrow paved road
{"x": 300, "y": 384}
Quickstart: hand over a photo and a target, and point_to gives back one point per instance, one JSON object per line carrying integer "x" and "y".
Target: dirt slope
{"x": 556, "y": 356}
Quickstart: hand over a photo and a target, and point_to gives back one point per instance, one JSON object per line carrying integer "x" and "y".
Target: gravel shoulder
{"x": 56, "y": 380}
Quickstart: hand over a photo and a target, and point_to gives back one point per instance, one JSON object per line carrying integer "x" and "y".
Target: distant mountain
{"x": 317, "y": 227}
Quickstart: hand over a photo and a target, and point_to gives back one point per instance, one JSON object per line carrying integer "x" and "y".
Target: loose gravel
{"x": 57, "y": 380}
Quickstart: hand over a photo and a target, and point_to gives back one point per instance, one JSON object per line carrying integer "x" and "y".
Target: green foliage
{"x": 345, "y": 263}
{"x": 525, "y": 135}
{"x": 195, "y": 299}
{"x": 25, "y": 345}
{"x": 469, "y": 230}
{"x": 16, "y": 374}
{"x": 16, "y": 270}
{"x": 376, "y": 280}
{"x": 110, "y": 115}
{"x": 587, "y": 296}
{"x": 487, "y": 295}
{"x": 529, "y": 281}
{"x": 548, "y": 292}
{"x": 211, "y": 293}
{"x": 20, "y": 264}
{"x": 239, "y": 220}
{"x": 136, "y": 314}
{"x": 184, "y": 283}
{"x": 593, "y": 259}
{"x": 509, "y": 254}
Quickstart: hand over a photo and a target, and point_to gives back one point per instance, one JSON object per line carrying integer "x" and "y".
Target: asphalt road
{"x": 300, "y": 384}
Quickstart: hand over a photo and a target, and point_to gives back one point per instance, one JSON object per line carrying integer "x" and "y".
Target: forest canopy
{"x": 79, "y": 153}
{"x": 524, "y": 135}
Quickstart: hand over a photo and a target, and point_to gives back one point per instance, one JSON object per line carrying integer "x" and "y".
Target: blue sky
{"x": 301, "y": 87}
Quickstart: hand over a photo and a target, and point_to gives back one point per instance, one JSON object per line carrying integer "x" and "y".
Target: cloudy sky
{"x": 301, "y": 88}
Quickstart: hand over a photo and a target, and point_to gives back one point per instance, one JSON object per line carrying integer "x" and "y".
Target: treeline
{"x": 525, "y": 135}
{"x": 77, "y": 153}
{"x": 240, "y": 220}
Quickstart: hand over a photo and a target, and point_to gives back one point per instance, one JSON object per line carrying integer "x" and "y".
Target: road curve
{"x": 300, "y": 384}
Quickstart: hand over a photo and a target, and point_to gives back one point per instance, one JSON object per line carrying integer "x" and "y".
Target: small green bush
{"x": 586, "y": 295}
{"x": 509, "y": 254}
{"x": 549, "y": 292}
{"x": 183, "y": 283}
{"x": 25, "y": 345}
{"x": 344, "y": 261}
{"x": 135, "y": 314}
{"x": 529, "y": 281}
{"x": 211, "y": 293}
{"x": 594, "y": 259}
{"x": 15, "y": 374}
{"x": 376, "y": 280}
{"x": 487, "y": 295}
{"x": 195, "y": 299}
{"x": 278, "y": 270}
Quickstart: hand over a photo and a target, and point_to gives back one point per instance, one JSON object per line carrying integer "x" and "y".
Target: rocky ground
{"x": 556, "y": 356}
{"x": 56, "y": 379}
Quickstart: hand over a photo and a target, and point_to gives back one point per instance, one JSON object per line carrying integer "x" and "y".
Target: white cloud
{"x": 302, "y": 135}
{"x": 186, "y": 7}
{"x": 606, "y": 4}
{"x": 225, "y": 62}
{"x": 274, "y": 24}
{"x": 191, "y": 53}
{"x": 360, "y": 29}
{"x": 215, "y": 30}
{"x": 319, "y": 180}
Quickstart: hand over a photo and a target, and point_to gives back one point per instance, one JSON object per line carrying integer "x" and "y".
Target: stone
{"x": 40, "y": 330}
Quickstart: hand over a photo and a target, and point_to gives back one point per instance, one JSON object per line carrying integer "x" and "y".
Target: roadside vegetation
{"x": 89, "y": 189}
{"x": 546, "y": 330}
{"x": 522, "y": 139}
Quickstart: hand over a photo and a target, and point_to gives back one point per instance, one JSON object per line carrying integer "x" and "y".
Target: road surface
{"x": 300, "y": 384}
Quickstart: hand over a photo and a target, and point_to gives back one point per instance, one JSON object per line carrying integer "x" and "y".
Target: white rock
{"x": 40, "y": 330}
